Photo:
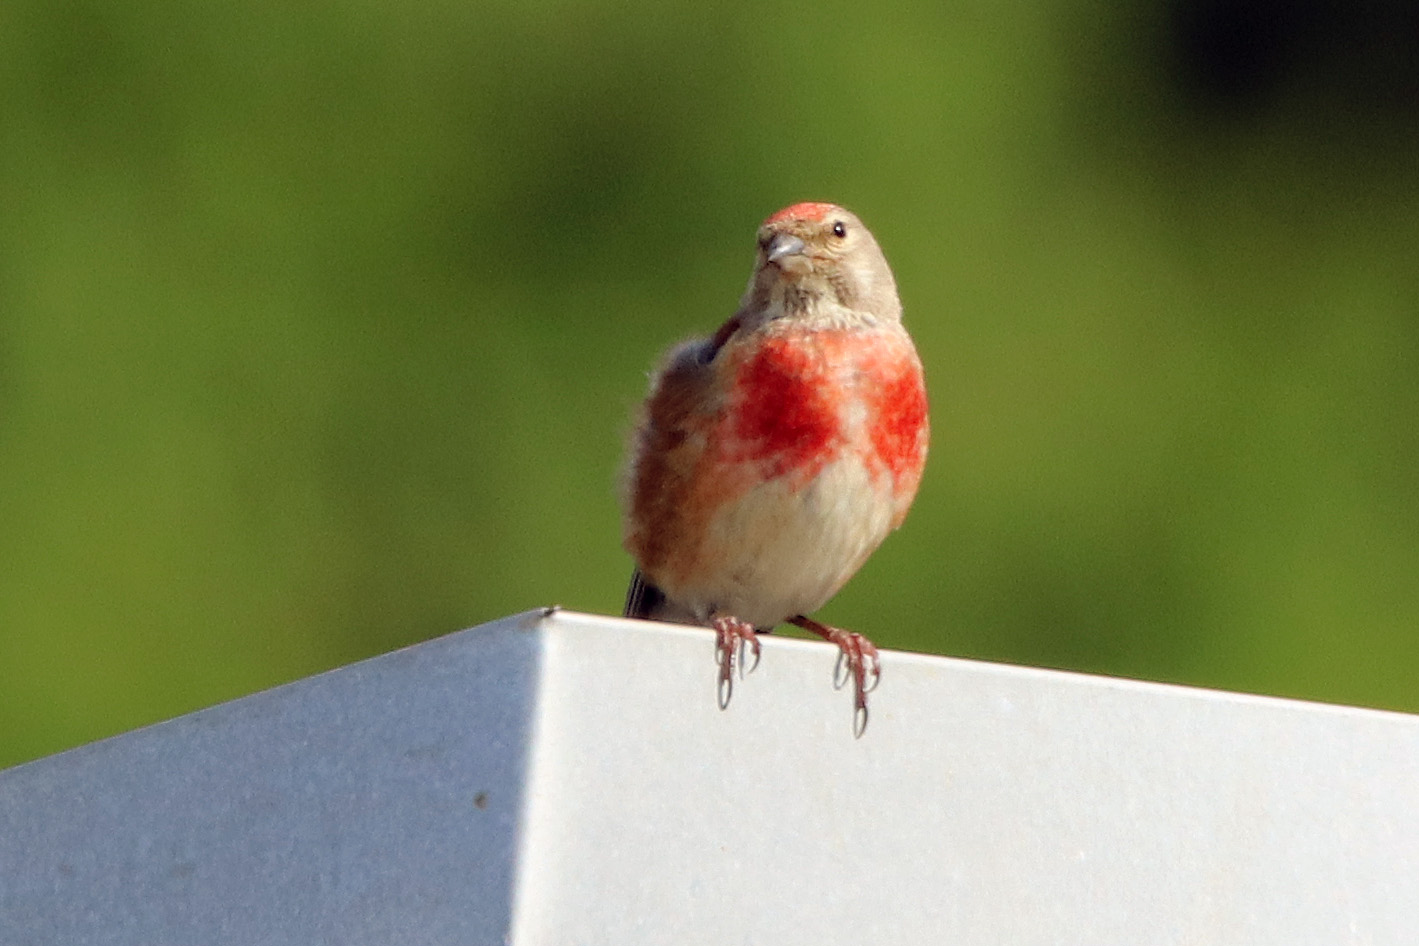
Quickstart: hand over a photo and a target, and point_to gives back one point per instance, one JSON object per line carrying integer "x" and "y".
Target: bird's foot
{"x": 732, "y": 637}
{"x": 857, "y": 661}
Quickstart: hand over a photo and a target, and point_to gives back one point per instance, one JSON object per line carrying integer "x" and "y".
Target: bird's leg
{"x": 731, "y": 637}
{"x": 857, "y": 661}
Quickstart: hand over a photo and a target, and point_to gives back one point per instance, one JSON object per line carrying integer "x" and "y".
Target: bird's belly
{"x": 784, "y": 548}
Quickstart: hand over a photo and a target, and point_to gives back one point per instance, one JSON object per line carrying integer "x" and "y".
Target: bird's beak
{"x": 783, "y": 244}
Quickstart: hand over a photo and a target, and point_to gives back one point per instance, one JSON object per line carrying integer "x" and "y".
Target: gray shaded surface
{"x": 374, "y": 804}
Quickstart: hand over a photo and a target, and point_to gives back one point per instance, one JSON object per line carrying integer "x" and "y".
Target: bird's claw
{"x": 858, "y": 662}
{"x": 733, "y": 641}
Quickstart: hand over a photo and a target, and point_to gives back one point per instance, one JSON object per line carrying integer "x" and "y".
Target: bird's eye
{"x": 839, "y": 229}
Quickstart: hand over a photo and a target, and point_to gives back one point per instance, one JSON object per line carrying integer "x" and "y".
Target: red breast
{"x": 802, "y": 396}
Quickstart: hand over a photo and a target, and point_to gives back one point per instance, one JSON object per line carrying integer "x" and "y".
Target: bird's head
{"x": 817, "y": 261}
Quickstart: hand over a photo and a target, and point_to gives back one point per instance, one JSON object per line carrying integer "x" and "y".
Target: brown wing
{"x": 669, "y": 443}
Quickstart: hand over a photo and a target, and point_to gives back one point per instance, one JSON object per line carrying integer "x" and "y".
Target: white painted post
{"x": 568, "y": 779}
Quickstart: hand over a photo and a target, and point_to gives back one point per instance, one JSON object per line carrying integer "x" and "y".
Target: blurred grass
{"x": 322, "y": 325}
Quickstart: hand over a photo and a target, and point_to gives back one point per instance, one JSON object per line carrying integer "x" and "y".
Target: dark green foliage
{"x": 320, "y": 326}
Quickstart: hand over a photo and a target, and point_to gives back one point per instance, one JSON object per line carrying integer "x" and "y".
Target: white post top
{"x": 568, "y": 779}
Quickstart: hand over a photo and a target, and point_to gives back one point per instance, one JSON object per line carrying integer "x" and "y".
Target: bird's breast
{"x": 766, "y": 500}
{"x": 801, "y": 399}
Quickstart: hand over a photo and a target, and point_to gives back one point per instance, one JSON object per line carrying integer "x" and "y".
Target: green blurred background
{"x": 321, "y": 324}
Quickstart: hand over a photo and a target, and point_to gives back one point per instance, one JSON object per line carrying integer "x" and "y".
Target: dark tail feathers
{"x": 642, "y": 598}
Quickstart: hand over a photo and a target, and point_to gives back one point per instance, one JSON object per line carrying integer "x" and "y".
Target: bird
{"x": 771, "y": 458}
